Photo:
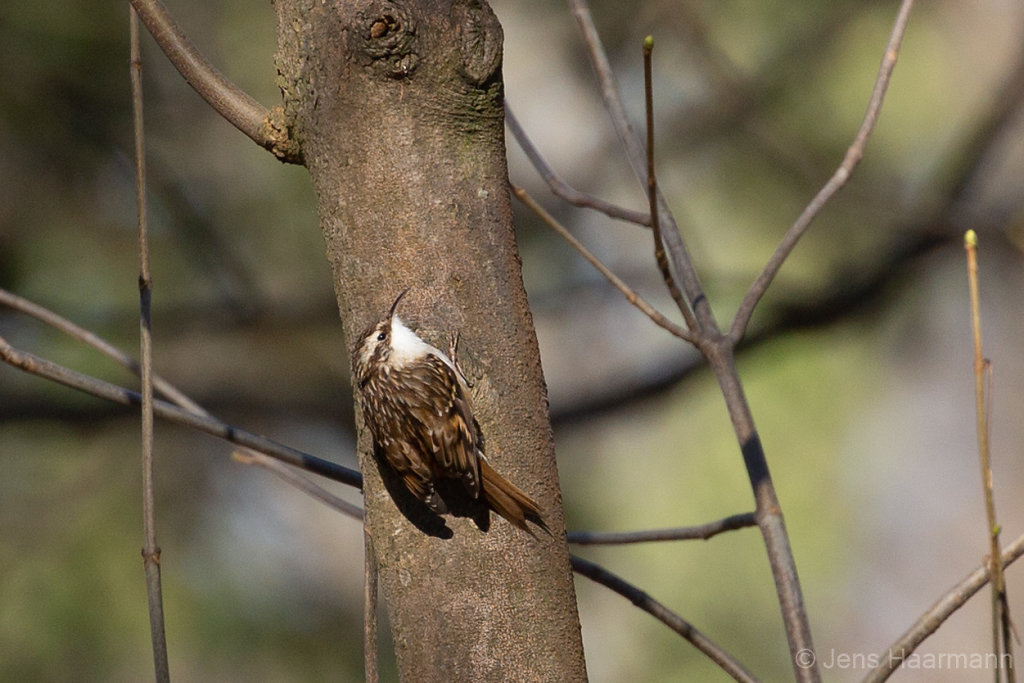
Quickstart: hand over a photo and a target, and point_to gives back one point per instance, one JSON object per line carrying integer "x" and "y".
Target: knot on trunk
{"x": 386, "y": 36}
{"x": 480, "y": 40}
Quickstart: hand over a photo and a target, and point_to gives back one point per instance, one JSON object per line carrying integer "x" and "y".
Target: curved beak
{"x": 405, "y": 291}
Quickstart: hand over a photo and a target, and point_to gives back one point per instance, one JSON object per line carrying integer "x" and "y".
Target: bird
{"x": 416, "y": 403}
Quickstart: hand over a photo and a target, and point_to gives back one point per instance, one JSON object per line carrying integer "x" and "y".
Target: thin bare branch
{"x": 1002, "y": 643}
{"x": 663, "y": 614}
{"x": 769, "y": 515}
{"x": 631, "y": 296}
{"x": 151, "y": 549}
{"x": 58, "y": 322}
{"x": 652, "y": 195}
{"x": 842, "y": 174}
{"x": 610, "y": 89}
{"x": 682, "y": 263}
{"x": 893, "y": 657}
{"x": 266, "y": 128}
{"x": 561, "y": 188}
{"x": 49, "y": 370}
{"x": 245, "y": 456}
{"x": 685, "y": 533}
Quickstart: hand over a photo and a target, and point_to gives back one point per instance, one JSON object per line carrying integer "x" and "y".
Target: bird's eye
{"x": 381, "y": 336}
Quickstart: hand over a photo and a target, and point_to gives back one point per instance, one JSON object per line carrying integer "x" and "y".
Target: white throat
{"x": 406, "y": 347}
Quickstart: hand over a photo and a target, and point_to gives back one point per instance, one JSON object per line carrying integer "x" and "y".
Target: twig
{"x": 563, "y": 189}
{"x": 609, "y": 88}
{"x": 769, "y": 515}
{"x": 842, "y": 295}
{"x": 151, "y": 549}
{"x": 680, "y": 256}
{"x": 265, "y": 127}
{"x": 631, "y": 296}
{"x": 842, "y": 174}
{"x": 1002, "y": 643}
{"x": 652, "y": 195}
{"x": 686, "y": 533}
{"x": 83, "y": 335}
{"x": 244, "y": 456}
{"x": 891, "y": 659}
{"x": 49, "y": 370}
{"x": 663, "y": 614}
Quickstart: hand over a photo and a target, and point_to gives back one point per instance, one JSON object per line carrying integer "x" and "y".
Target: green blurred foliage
{"x": 863, "y": 405}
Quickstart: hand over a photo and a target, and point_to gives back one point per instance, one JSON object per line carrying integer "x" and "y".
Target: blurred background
{"x": 858, "y": 365}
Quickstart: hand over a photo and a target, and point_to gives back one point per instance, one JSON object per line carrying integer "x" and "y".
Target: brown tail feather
{"x": 508, "y": 500}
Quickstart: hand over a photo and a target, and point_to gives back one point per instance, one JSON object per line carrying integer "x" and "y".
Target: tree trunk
{"x": 397, "y": 107}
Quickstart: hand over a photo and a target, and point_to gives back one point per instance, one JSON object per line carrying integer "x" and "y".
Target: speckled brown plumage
{"x": 417, "y": 407}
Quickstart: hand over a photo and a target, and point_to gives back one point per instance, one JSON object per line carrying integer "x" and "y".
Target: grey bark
{"x": 397, "y": 109}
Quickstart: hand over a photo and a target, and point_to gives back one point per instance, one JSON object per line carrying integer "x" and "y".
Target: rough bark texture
{"x": 397, "y": 107}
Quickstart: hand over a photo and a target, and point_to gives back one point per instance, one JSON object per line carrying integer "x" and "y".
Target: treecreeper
{"x": 416, "y": 404}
